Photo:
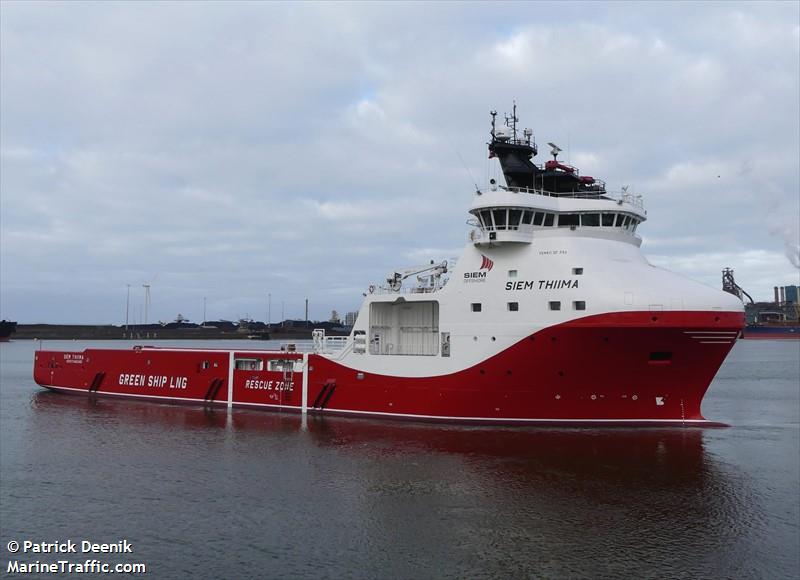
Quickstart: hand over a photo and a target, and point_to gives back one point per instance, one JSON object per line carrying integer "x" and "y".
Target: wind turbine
{"x": 127, "y": 305}
{"x": 146, "y": 300}
{"x": 147, "y": 296}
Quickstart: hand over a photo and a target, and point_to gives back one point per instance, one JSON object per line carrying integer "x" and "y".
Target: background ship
{"x": 7, "y": 328}
{"x": 775, "y": 320}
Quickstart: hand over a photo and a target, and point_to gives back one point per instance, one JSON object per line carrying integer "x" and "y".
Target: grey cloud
{"x": 238, "y": 149}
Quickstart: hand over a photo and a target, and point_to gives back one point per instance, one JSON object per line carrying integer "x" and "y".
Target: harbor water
{"x": 255, "y": 494}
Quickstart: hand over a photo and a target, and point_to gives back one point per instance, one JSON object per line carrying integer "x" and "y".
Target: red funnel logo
{"x": 486, "y": 264}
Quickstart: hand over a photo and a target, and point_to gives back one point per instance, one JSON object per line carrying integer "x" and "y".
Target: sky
{"x": 251, "y": 155}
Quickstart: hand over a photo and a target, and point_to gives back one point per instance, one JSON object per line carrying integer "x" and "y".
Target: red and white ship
{"x": 551, "y": 315}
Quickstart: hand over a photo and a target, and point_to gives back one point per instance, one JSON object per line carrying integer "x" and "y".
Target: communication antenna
{"x": 463, "y": 163}
{"x": 527, "y": 134}
{"x": 513, "y": 121}
{"x": 472, "y": 177}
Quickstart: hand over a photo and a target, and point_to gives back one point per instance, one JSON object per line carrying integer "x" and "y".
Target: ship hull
{"x": 771, "y": 333}
{"x": 626, "y": 368}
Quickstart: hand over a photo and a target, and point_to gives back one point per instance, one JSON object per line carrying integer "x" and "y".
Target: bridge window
{"x": 549, "y": 218}
{"x": 514, "y": 216}
{"x": 620, "y": 219}
{"x": 590, "y": 219}
{"x": 527, "y": 217}
{"x": 608, "y": 219}
{"x": 538, "y": 218}
{"x": 499, "y": 219}
{"x": 566, "y": 220}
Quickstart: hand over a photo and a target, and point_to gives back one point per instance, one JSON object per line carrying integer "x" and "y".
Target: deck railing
{"x": 601, "y": 193}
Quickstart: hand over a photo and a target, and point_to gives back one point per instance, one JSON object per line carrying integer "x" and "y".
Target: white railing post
{"x": 304, "y": 398}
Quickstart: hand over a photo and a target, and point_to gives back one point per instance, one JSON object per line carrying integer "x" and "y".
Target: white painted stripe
{"x": 729, "y": 332}
{"x": 189, "y": 349}
{"x": 517, "y": 420}
{"x": 405, "y": 415}
{"x": 716, "y": 342}
{"x": 304, "y": 400}
{"x": 245, "y": 404}
{"x": 138, "y": 395}
{"x": 230, "y": 379}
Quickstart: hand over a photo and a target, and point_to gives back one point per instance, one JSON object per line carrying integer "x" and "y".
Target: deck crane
{"x": 395, "y": 281}
{"x": 730, "y": 286}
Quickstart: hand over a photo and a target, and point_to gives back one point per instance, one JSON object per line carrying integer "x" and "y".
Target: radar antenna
{"x": 494, "y": 115}
{"x": 554, "y": 151}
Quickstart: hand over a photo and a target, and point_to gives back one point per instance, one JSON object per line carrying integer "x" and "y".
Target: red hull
{"x": 610, "y": 368}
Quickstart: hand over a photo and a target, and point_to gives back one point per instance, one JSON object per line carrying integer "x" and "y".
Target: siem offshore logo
{"x": 480, "y": 275}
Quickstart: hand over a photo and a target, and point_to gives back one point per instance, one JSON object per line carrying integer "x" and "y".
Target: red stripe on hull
{"x": 604, "y": 368}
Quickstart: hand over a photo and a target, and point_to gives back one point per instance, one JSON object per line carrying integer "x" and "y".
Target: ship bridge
{"x": 546, "y": 199}
{"x": 514, "y": 214}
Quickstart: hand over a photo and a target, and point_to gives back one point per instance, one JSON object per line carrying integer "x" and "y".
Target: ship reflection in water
{"x": 413, "y": 500}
